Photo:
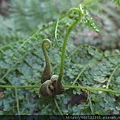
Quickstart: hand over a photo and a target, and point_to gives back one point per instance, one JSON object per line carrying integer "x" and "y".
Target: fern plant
{"x": 34, "y": 11}
{"x": 8, "y": 33}
{"x": 90, "y": 75}
{"x": 30, "y": 15}
{"x": 106, "y": 17}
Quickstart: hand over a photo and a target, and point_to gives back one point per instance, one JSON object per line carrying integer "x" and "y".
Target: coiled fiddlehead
{"x": 58, "y": 87}
{"x": 50, "y": 85}
{"x": 75, "y": 13}
{"x": 46, "y": 75}
{"x": 47, "y": 88}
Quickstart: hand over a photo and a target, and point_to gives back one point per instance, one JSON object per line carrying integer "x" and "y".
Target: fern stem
{"x": 65, "y": 86}
{"x": 110, "y": 78}
{"x": 56, "y": 29}
{"x": 46, "y": 75}
{"x": 17, "y": 101}
{"x": 64, "y": 49}
{"x": 46, "y": 44}
{"x": 58, "y": 107}
{"x": 91, "y": 89}
{"x": 13, "y": 87}
{"x": 91, "y": 106}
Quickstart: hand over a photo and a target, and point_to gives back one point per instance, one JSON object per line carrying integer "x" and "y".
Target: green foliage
{"x": 22, "y": 63}
{"x": 105, "y": 15}
{"x": 8, "y": 33}
{"x": 117, "y": 2}
{"x": 30, "y": 15}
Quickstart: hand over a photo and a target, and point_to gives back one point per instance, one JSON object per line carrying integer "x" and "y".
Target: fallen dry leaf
{"x": 1, "y": 94}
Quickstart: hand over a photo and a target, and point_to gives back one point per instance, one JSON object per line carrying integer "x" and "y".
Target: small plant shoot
{"x": 60, "y": 58}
